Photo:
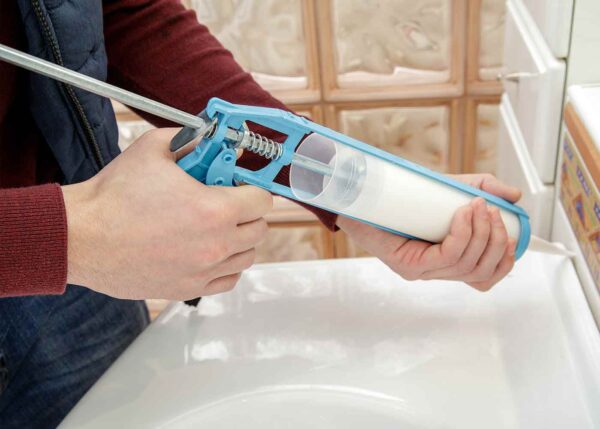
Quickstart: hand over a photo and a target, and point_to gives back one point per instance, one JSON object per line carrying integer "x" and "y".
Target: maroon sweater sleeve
{"x": 157, "y": 48}
{"x": 33, "y": 241}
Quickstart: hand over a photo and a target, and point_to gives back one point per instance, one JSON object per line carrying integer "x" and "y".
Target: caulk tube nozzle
{"x": 384, "y": 192}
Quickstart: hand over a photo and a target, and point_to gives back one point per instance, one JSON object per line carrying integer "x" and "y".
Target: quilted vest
{"x": 79, "y": 127}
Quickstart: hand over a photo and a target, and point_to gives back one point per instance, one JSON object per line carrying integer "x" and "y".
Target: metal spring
{"x": 261, "y": 145}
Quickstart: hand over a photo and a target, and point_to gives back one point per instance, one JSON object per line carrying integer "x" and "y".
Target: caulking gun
{"x": 328, "y": 169}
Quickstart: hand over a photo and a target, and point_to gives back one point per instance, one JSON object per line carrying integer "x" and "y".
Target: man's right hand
{"x": 143, "y": 228}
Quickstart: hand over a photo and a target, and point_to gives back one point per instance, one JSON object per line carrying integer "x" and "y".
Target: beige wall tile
{"x": 265, "y": 36}
{"x": 391, "y": 41}
{"x": 486, "y": 138}
{"x": 295, "y": 243}
{"x": 420, "y": 134}
{"x": 491, "y": 38}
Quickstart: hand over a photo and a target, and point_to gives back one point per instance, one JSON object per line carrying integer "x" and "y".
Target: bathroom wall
{"x": 416, "y": 78}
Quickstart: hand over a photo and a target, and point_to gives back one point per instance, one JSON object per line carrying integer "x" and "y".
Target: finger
{"x": 506, "y": 265}
{"x": 447, "y": 253}
{"x": 252, "y": 202}
{"x": 158, "y": 139}
{"x": 489, "y": 183}
{"x": 494, "y": 186}
{"x": 496, "y": 248}
{"x": 475, "y": 248}
{"x": 479, "y": 240}
{"x": 222, "y": 284}
{"x": 235, "y": 264}
{"x": 249, "y": 235}
{"x": 461, "y": 230}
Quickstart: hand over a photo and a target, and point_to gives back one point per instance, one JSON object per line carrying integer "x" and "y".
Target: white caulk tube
{"x": 409, "y": 201}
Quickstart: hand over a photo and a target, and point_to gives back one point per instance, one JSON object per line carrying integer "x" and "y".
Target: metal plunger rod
{"x": 95, "y": 86}
{"x": 103, "y": 89}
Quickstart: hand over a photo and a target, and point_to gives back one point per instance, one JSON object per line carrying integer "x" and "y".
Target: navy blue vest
{"x": 81, "y": 130}
{"x": 79, "y": 127}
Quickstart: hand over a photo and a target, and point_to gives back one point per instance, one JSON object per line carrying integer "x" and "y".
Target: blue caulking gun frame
{"x": 213, "y": 161}
{"x": 222, "y": 130}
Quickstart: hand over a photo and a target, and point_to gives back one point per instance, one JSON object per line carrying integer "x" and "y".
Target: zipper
{"x": 76, "y": 104}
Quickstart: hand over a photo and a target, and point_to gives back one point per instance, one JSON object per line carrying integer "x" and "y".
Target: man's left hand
{"x": 477, "y": 250}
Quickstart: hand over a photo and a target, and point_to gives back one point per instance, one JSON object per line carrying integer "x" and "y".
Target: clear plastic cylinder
{"x": 380, "y": 192}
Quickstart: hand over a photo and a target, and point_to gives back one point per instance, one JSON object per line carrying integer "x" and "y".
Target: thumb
{"x": 501, "y": 189}
{"x": 156, "y": 140}
{"x": 489, "y": 183}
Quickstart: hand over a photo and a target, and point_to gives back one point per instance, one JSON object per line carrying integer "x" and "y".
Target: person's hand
{"x": 477, "y": 251}
{"x": 143, "y": 228}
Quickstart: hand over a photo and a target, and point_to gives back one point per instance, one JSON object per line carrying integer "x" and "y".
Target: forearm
{"x": 33, "y": 241}
{"x": 158, "y": 48}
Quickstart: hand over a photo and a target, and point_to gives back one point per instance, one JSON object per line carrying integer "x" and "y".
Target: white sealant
{"x": 377, "y": 191}
{"x": 404, "y": 201}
